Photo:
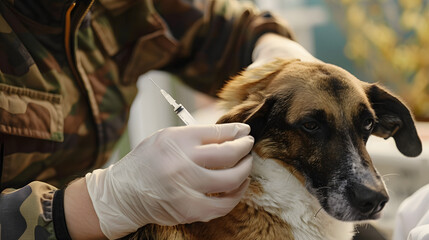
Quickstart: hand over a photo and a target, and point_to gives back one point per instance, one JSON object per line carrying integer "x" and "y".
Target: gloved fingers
{"x": 224, "y": 180}
{"x": 222, "y": 155}
{"x": 219, "y": 133}
{"x": 222, "y": 204}
{"x": 236, "y": 194}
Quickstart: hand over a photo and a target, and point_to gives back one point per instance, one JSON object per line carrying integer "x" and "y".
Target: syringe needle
{"x": 166, "y": 95}
{"x": 155, "y": 83}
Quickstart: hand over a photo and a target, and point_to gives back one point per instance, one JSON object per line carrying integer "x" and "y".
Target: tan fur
{"x": 243, "y": 222}
{"x": 255, "y": 188}
{"x": 242, "y": 86}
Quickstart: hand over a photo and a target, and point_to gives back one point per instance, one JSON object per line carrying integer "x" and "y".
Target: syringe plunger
{"x": 169, "y": 99}
{"x": 179, "y": 109}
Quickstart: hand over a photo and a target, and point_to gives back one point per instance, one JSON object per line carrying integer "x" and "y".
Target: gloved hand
{"x": 166, "y": 178}
{"x": 412, "y": 218}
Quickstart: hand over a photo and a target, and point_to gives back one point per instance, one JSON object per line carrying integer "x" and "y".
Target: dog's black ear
{"x": 259, "y": 118}
{"x": 254, "y": 114}
{"x": 394, "y": 119}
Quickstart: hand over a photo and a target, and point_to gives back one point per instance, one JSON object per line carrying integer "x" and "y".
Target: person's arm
{"x": 81, "y": 219}
{"x": 203, "y": 42}
{"x": 37, "y": 211}
{"x": 216, "y": 38}
{"x": 158, "y": 182}
{"x": 164, "y": 180}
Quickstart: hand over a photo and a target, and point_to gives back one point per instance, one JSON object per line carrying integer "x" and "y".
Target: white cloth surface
{"x": 412, "y": 219}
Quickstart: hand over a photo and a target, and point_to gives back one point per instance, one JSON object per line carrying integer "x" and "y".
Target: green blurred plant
{"x": 389, "y": 40}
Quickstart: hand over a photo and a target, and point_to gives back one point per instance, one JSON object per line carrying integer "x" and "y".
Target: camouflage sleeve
{"x": 203, "y": 41}
{"x": 216, "y": 38}
{"x": 27, "y": 213}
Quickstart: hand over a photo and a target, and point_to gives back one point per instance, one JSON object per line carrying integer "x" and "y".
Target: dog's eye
{"x": 310, "y": 126}
{"x": 368, "y": 124}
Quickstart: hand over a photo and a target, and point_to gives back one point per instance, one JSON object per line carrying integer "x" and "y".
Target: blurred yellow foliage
{"x": 389, "y": 39}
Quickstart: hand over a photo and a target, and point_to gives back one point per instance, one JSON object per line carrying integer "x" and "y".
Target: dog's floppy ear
{"x": 254, "y": 114}
{"x": 394, "y": 119}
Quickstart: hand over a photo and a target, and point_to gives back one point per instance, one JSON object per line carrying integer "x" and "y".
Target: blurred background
{"x": 384, "y": 41}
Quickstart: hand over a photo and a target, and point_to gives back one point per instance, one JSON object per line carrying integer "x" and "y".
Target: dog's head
{"x": 316, "y": 119}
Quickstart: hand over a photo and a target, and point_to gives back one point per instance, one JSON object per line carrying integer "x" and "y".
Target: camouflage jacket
{"x": 67, "y": 79}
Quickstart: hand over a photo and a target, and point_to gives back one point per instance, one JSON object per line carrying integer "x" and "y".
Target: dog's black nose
{"x": 367, "y": 200}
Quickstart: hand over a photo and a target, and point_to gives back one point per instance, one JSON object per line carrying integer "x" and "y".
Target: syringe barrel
{"x": 185, "y": 115}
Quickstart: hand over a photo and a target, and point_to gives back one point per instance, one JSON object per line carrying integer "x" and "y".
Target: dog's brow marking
{"x": 341, "y": 105}
{"x": 335, "y": 87}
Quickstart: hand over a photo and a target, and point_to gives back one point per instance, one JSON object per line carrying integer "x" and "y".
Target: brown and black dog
{"x": 312, "y": 177}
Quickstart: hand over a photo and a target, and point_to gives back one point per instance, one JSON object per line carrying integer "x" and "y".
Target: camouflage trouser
{"x": 26, "y": 213}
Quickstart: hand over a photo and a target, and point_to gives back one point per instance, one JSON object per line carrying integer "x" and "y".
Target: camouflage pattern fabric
{"x": 68, "y": 72}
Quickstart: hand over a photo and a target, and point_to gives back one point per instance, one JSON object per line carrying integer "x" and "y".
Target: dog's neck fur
{"x": 284, "y": 196}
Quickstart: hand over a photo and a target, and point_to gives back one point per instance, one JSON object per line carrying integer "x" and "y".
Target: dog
{"x": 312, "y": 176}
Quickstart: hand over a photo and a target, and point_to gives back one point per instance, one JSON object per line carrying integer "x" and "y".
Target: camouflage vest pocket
{"x": 31, "y": 113}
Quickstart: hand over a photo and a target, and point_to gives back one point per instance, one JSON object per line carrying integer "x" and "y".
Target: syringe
{"x": 179, "y": 109}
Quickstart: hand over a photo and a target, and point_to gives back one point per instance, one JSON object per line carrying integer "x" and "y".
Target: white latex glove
{"x": 271, "y": 46}
{"x": 165, "y": 179}
{"x": 412, "y": 219}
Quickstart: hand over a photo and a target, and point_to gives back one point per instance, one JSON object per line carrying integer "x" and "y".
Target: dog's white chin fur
{"x": 285, "y": 197}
